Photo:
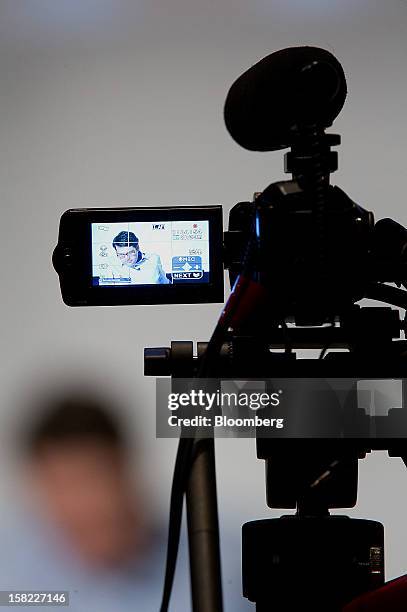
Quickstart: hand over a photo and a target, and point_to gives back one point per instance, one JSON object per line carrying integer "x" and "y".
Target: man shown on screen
{"x": 142, "y": 268}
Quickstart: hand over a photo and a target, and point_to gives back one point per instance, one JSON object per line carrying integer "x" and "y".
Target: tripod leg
{"x": 203, "y": 530}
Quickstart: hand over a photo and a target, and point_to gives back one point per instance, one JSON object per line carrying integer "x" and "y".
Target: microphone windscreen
{"x": 285, "y": 91}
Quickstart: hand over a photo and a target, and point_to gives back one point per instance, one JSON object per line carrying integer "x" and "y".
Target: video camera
{"x": 300, "y": 256}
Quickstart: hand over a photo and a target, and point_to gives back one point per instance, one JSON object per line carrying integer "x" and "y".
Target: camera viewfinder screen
{"x": 150, "y": 253}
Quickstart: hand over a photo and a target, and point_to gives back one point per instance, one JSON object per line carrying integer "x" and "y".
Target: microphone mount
{"x": 299, "y": 161}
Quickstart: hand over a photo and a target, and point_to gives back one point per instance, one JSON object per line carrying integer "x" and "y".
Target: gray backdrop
{"x": 119, "y": 102}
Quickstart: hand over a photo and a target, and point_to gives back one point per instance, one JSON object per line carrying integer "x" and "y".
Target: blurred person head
{"x": 127, "y": 248}
{"x": 81, "y": 479}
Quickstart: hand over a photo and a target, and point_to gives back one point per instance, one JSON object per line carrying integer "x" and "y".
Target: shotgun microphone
{"x": 285, "y": 93}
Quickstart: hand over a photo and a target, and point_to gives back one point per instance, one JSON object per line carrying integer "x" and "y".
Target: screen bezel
{"x": 76, "y": 242}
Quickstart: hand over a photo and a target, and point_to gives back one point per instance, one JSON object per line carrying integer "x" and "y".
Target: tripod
{"x": 299, "y": 256}
{"x": 329, "y": 559}
{"x": 345, "y": 554}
